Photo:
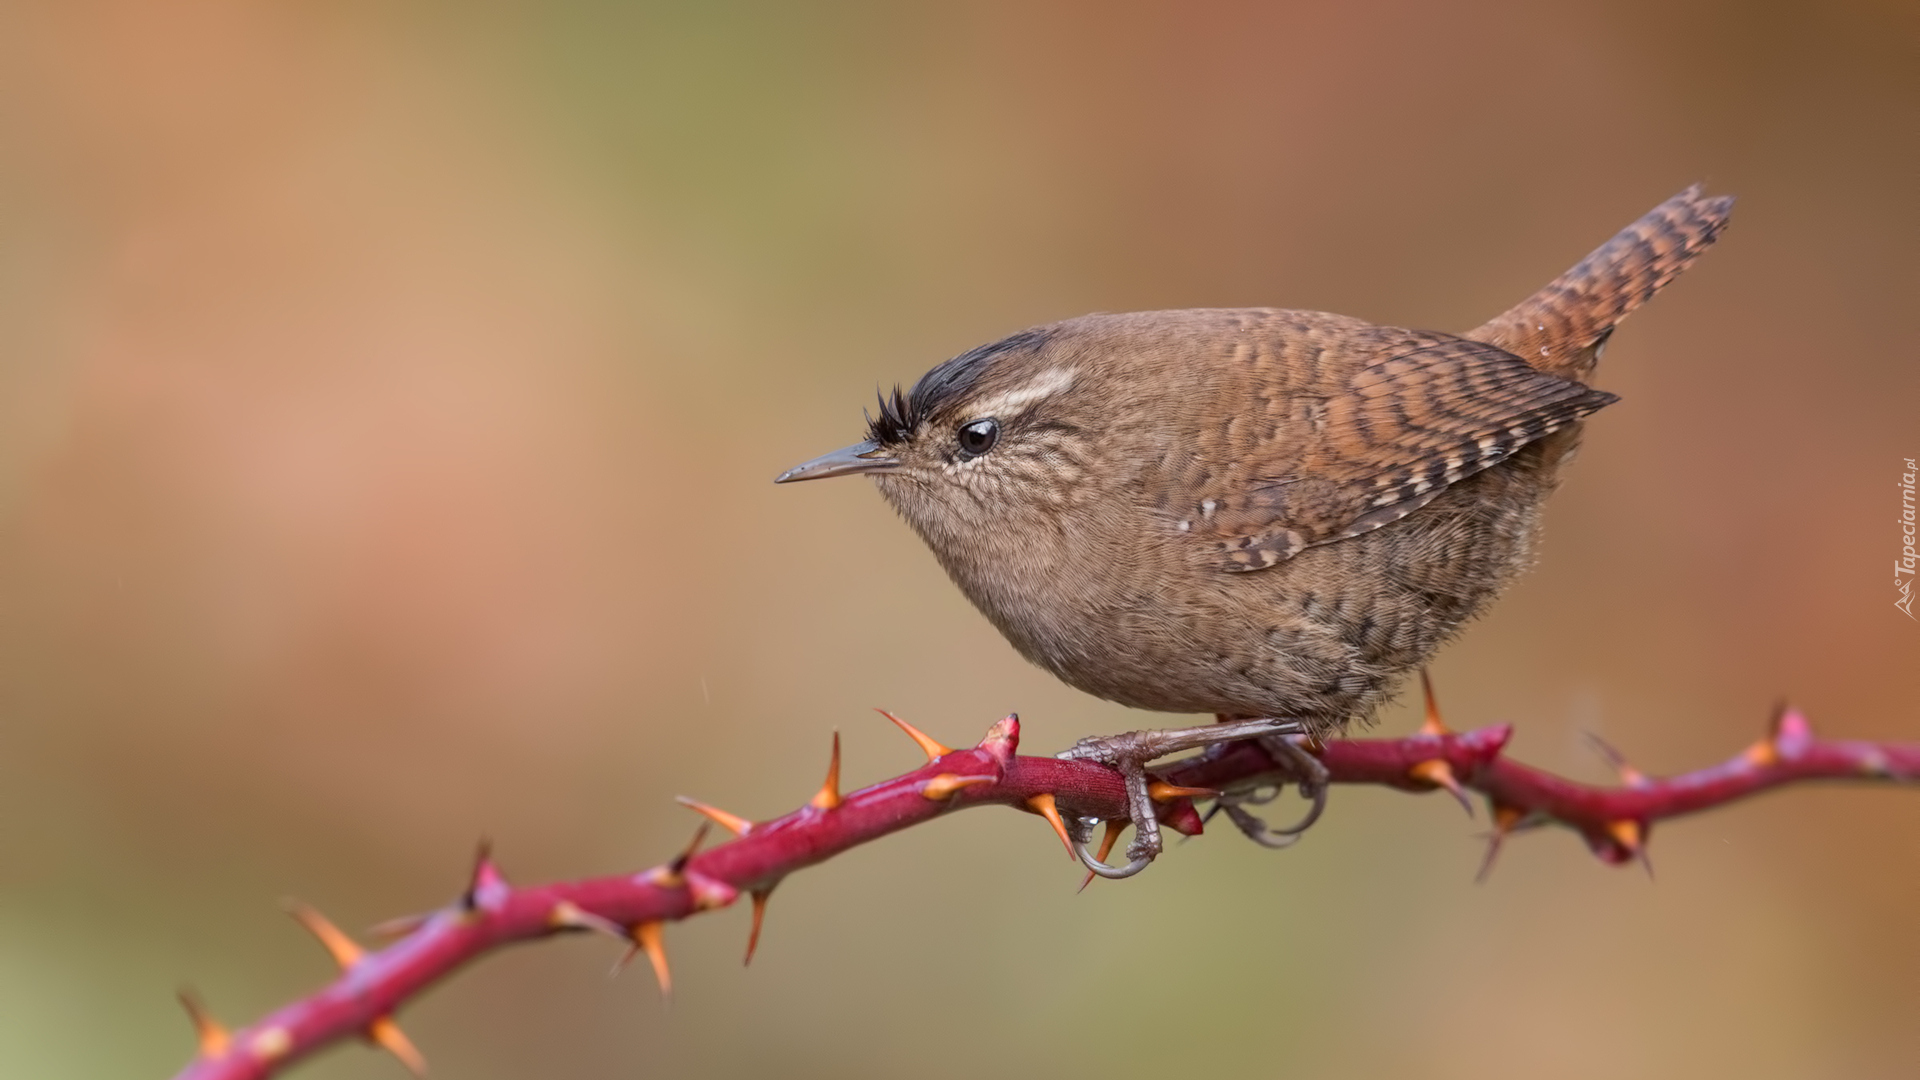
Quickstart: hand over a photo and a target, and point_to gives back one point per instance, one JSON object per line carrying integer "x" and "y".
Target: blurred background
{"x": 389, "y": 395}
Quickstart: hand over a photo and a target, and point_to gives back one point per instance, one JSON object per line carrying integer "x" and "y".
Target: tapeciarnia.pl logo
{"x": 1904, "y": 564}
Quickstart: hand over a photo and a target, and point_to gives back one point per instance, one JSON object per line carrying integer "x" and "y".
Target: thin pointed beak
{"x": 863, "y": 457}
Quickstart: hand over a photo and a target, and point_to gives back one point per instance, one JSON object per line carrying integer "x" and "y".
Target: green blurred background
{"x": 389, "y": 395}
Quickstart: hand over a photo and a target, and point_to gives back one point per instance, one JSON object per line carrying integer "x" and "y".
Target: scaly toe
{"x": 1130, "y": 752}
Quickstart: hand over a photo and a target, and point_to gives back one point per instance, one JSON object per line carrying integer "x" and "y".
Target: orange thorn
{"x": 1161, "y": 791}
{"x": 1505, "y": 820}
{"x": 214, "y": 1040}
{"x": 566, "y": 915}
{"x": 1762, "y": 754}
{"x": 400, "y": 927}
{"x": 1114, "y": 827}
{"x": 386, "y": 1034}
{"x": 1044, "y": 805}
{"x": 946, "y": 784}
{"x": 1437, "y": 772}
{"x": 646, "y": 938}
{"x": 1629, "y": 775}
{"x": 1432, "y": 725}
{"x": 759, "y": 916}
{"x": 932, "y": 749}
{"x": 828, "y": 797}
{"x": 1627, "y": 833}
{"x": 338, "y": 945}
{"x": 733, "y": 823}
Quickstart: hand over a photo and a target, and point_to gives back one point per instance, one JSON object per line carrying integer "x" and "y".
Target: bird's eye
{"x": 978, "y": 437}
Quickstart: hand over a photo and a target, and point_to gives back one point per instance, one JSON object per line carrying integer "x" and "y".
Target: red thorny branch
{"x": 1615, "y": 822}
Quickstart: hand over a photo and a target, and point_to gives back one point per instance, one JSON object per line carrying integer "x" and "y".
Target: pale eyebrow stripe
{"x": 1017, "y": 400}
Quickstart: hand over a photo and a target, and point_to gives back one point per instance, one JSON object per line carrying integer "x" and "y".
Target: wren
{"x": 1255, "y": 512}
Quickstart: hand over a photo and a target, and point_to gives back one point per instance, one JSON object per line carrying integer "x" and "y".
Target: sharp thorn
{"x": 828, "y": 797}
{"x": 680, "y": 861}
{"x": 1505, "y": 819}
{"x": 400, "y": 927}
{"x": 1762, "y": 753}
{"x": 647, "y": 939}
{"x": 1791, "y": 731}
{"x": 1779, "y": 714}
{"x": 485, "y": 880}
{"x": 759, "y": 916}
{"x": 944, "y": 786}
{"x": 567, "y": 915}
{"x": 928, "y": 746}
{"x": 1632, "y": 839}
{"x": 733, "y": 823}
{"x": 343, "y": 949}
{"x": 626, "y": 958}
{"x": 674, "y": 874}
{"x": 1044, "y": 805}
{"x": 213, "y": 1037}
{"x": 1162, "y": 792}
{"x": 1115, "y": 826}
{"x": 1437, "y": 772}
{"x": 1494, "y": 840}
{"x": 1629, "y": 775}
{"x": 1431, "y": 724}
{"x": 386, "y": 1034}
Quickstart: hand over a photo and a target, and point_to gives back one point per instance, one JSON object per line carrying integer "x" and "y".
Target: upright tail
{"x": 1562, "y": 328}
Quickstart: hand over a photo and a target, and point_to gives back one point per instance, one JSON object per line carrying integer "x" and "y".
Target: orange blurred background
{"x": 389, "y": 395}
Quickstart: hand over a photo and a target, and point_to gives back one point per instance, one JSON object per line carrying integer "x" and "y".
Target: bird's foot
{"x": 1290, "y": 751}
{"x": 1130, "y": 753}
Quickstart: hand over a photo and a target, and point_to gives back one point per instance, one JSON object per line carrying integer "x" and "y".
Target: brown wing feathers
{"x": 1453, "y": 408}
{"x": 1432, "y": 414}
{"x": 1411, "y": 424}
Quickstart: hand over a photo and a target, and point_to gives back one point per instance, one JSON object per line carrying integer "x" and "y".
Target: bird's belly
{"x": 1323, "y": 637}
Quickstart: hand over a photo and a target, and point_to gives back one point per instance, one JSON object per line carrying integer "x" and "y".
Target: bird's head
{"x": 990, "y": 437}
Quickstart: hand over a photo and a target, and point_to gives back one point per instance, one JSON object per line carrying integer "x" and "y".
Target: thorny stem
{"x": 1615, "y": 822}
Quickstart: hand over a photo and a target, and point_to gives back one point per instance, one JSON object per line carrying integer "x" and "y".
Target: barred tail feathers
{"x": 1561, "y": 329}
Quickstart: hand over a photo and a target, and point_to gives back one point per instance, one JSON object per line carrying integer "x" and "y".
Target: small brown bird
{"x": 1254, "y": 512}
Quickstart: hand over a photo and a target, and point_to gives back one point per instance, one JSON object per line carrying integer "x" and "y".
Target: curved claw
{"x": 1111, "y": 873}
{"x": 1313, "y": 784}
{"x": 1316, "y": 792}
{"x": 1256, "y": 830}
{"x": 1259, "y": 832}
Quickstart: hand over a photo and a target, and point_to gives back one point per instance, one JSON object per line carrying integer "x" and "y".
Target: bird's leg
{"x": 1130, "y": 753}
